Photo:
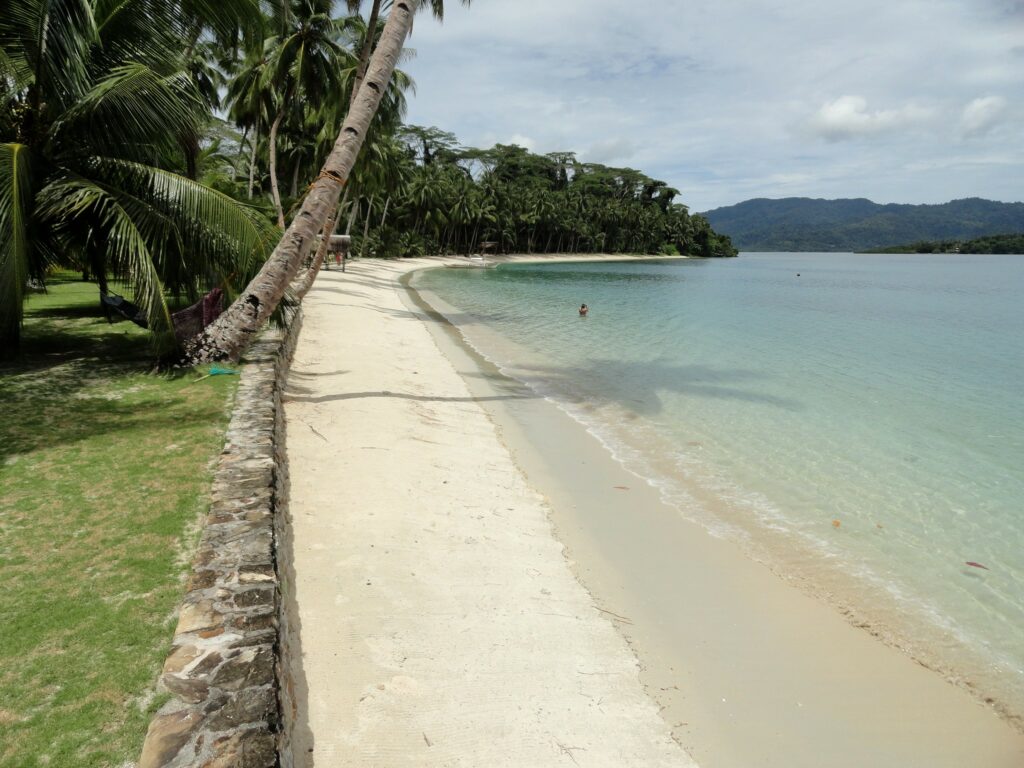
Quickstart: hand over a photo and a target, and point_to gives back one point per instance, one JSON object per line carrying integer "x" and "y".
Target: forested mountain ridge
{"x": 805, "y": 224}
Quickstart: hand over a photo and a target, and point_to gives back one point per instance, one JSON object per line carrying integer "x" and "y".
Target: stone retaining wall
{"x": 222, "y": 672}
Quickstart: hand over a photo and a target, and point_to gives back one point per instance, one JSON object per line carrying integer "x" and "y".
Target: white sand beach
{"x": 442, "y": 622}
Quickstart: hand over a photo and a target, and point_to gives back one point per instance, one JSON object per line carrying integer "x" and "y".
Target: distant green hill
{"x": 805, "y": 224}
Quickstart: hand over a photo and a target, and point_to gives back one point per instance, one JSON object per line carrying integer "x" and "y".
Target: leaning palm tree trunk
{"x": 305, "y": 281}
{"x": 226, "y": 338}
{"x": 364, "y": 54}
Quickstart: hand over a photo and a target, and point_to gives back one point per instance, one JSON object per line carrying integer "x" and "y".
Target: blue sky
{"x": 908, "y": 101}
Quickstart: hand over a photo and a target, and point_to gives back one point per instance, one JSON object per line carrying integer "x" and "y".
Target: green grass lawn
{"x": 104, "y": 471}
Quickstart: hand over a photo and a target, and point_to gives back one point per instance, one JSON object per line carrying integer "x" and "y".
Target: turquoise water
{"x": 857, "y": 421}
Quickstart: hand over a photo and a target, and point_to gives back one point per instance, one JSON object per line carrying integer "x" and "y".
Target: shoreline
{"x": 437, "y": 621}
{"x": 938, "y": 723}
{"x": 863, "y": 600}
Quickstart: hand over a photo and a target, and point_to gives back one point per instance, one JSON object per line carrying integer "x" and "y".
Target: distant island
{"x": 990, "y": 244}
{"x": 805, "y": 224}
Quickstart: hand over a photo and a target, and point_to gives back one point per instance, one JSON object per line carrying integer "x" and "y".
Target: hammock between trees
{"x": 187, "y": 322}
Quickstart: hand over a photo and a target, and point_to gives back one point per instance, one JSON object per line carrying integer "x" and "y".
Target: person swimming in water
{"x": 583, "y": 310}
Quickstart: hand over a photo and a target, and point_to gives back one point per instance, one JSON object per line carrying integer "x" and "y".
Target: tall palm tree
{"x": 251, "y": 105}
{"x": 436, "y": 7}
{"x": 369, "y": 39}
{"x": 303, "y": 62}
{"x": 227, "y": 337}
{"x": 96, "y": 98}
{"x": 377, "y": 157}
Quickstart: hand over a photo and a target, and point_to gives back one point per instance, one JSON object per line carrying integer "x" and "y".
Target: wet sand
{"x": 749, "y": 670}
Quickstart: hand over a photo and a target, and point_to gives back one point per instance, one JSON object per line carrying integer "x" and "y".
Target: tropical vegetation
{"x": 228, "y": 335}
{"x": 438, "y": 197}
{"x": 168, "y": 144}
{"x": 105, "y": 126}
{"x": 990, "y": 244}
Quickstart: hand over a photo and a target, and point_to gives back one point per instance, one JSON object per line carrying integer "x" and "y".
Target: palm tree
{"x": 227, "y": 337}
{"x": 369, "y": 39}
{"x": 303, "y": 62}
{"x": 436, "y": 6}
{"x": 96, "y": 99}
{"x": 251, "y": 106}
{"x": 377, "y": 162}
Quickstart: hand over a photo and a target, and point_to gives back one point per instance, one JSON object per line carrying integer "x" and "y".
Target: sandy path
{"x": 440, "y": 623}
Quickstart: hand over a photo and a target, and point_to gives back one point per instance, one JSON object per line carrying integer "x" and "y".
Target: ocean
{"x": 855, "y": 421}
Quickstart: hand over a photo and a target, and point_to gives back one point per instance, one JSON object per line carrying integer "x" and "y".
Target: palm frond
{"x": 15, "y": 245}
{"x": 227, "y": 19}
{"x": 150, "y": 32}
{"x": 190, "y": 231}
{"x": 134, "y": 112}
{"x": 224, "y": 233}
{"x": 14, "y": 74}
{"x": 51, "y": 39}
{"x": 72, "y": 199}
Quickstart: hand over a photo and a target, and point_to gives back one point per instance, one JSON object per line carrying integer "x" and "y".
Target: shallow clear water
{"x": 858, "y": 418}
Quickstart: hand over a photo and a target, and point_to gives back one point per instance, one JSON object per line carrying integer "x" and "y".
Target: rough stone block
{"x": 168, "y": 734}
{"x": 198, "y": 617}
{"x": 251, "y": 667}
{"x": 201, "y": 579}
{"x": 256, "y": 619}
{"x": 192, "y": 690}
{"x": 257, "y": 596}
{"x": 249, "y": 707}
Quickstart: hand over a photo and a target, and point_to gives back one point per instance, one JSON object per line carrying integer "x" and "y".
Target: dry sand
{"x": 442, "y": 625}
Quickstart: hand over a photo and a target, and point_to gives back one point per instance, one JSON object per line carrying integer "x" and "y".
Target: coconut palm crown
{"x": 98, "y": 106}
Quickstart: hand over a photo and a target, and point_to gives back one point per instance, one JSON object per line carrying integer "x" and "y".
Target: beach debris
{"x": 218, "y": 371}
{"x": 568, "y": 751}
{"x": 977, "y": 565}
{"x": 836, "y": 524}
{"x": 616, "y": 616}
{"x": 428, "y": 741}
{"x": 621, "y": 487}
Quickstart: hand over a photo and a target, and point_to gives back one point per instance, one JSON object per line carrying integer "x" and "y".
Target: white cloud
{"x": 848, "y": 117}
{"x": 705, "y": 94}
{"x": 981, "y": 115}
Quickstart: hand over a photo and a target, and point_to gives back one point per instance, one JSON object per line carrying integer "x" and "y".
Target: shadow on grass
{"x": 65, "y": 382}
{"x": 49, "y": 422}
{"x": 65, "y": 312}
{"x": 48, "y": 345}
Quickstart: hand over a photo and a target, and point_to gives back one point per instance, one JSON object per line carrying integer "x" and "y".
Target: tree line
{"x": 439, "y": 197}
{"x": 990, "y": 244}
